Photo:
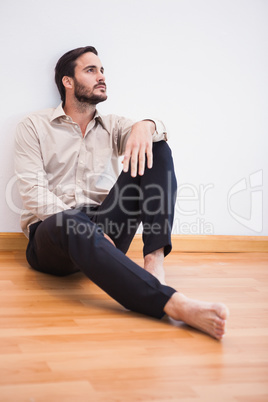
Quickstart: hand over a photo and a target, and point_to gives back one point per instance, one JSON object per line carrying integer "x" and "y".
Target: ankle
{"x": 155, "y": 256}
{"x": 176, "y": 306}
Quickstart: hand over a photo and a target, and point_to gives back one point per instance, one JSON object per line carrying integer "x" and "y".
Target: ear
{"x": 67, "y": 82}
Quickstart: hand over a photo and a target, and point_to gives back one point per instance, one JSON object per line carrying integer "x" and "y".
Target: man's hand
{"x": 108, "y": 238}
{"x": 138, "y": 145}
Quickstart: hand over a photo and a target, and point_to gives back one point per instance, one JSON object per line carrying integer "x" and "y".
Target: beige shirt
{"x": 58, "y": 169}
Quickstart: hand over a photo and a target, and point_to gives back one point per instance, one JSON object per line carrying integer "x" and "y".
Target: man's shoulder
{"x": 39, "y": 115}
{"x": 34, "y": 123}
{"x": 113, "y": 120}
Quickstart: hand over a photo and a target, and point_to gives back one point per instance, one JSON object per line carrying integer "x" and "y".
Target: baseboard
{"x": 181, "y": 243}
{"x": 12, "y": 241}
{"x": 213, "y": 244}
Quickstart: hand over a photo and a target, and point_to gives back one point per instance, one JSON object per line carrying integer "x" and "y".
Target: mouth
{"x": 101, "y": 86}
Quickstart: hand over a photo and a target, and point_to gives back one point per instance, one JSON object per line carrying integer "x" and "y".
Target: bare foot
{"x": 207, "y": 317}
{"x": 153, "y": 263}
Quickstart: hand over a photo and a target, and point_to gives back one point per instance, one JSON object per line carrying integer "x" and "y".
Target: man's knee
{"x": 162, "y": 152}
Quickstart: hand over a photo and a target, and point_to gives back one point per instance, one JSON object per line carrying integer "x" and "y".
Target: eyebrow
{"x": 87, "y": 67}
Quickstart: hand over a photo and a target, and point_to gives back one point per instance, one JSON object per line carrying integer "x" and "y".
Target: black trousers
{"x": 73, "y": 240}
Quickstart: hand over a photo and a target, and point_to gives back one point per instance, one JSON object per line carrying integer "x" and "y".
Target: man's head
{"x": 79, "y": 71}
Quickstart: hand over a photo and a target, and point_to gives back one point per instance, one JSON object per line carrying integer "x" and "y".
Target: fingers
{"x": 141, "y": 160}
{"x": 131, "y": 156}
{"x": 135, "y": 157}
{"x": 138, "y": 146}
{"x": 149, "y": 153}
{"x": 126, "y": 161}
{"x": 134, "y": 161}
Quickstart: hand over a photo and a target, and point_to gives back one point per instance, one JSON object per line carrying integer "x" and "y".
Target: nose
{"x": 101, "y": 76}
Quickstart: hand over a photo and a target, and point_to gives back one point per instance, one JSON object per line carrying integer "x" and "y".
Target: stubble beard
{"x": 81, "y": 94}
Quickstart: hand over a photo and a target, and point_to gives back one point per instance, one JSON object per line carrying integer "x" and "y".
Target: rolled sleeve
{"x": 124, "y": 126}
{"x": 160, "y": 131}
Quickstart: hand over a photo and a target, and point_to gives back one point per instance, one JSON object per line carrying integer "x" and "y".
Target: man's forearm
{"x": 150, "y": 124}
{"x": 159, "y": 130}
{"x": 36, "y": 196}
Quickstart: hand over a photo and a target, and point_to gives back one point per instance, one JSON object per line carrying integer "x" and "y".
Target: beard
{"x": 83, "y": 95}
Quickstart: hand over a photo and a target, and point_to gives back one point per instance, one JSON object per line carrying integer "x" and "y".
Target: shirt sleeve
{"x": 160, "y": 131}
{"x": 31, "y": 176}
{"x": 124, "y": 129}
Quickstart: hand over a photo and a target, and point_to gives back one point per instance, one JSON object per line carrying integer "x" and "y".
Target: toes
{"x": 219, "y": 333}
{"x": 222, "y": 311}
{"x": 219, "y": 328}
{"x": 220, "y": 324}
{"x": 219, "y": 336}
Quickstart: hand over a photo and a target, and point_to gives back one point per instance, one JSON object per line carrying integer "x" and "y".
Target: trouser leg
{"x": 70, "y": 241}
{"x": 149, "y": 199}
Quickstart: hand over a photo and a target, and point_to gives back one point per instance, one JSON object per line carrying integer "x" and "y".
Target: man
{"x": 80, "y": 214}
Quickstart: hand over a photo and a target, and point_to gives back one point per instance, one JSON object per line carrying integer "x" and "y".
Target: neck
{"x": 81, "y": 113}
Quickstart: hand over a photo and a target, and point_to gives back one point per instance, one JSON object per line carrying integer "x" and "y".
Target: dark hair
{"x": 66, "y": 65}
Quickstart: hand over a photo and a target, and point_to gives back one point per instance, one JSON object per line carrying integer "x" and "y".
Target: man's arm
{"x": 136, "y": 143}
{"x": 32, "y": 178}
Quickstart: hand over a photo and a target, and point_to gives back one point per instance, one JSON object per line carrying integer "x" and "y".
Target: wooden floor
{"x": 63, "y": 339}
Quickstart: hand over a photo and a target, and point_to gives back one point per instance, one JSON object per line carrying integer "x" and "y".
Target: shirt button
{"x": 67, "y": 118}
{"x": 76, "y": 126}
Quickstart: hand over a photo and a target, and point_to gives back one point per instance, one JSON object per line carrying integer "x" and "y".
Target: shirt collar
{"x": 99, "y": 118}
{"x": 59, "y": 112}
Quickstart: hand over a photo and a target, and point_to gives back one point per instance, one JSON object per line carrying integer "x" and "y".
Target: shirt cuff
{"x": 160, "y": 132}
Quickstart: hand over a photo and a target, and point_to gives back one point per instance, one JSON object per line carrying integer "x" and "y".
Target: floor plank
{"x": 63, "y": 339}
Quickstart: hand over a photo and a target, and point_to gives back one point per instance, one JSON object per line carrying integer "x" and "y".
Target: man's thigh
{"x": 45, "y": 252}
{"x": 119, "y": 215}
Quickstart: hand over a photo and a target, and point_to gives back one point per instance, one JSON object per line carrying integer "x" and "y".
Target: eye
{"x": 90, "y": 70}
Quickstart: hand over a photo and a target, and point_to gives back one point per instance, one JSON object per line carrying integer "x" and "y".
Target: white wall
{"x": 200, "y": 66}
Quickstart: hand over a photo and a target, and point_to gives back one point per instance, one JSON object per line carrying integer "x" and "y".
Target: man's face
{"x": 89, "y": 80}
